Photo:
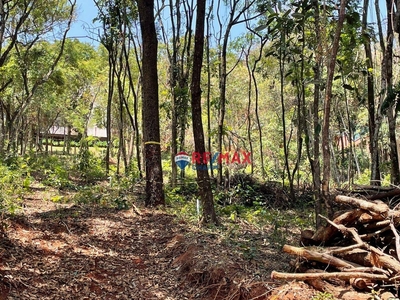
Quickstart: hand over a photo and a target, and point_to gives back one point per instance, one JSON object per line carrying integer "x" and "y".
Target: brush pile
{"x": 358, "y": 249}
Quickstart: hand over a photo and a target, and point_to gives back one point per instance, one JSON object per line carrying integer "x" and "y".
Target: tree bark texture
{"x": 326, "y": 152}
{"x": 203, "y": 178}
{"x": 150, "y": 110}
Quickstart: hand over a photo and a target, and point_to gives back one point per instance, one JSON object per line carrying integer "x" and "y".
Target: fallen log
{"x": 361, "y": 283}
{"x": 368, "y": 217}
{"x": 364, "y": 245}
{"x": 379, "y": 208}
{"x": 327, "y": 275}
{"x": 378, "y": 259}
{"x": 320, "y": 257}
{"x": 386, "y": 194}
{"x": 324, "y": 234}
{"x": 337, "y": 290}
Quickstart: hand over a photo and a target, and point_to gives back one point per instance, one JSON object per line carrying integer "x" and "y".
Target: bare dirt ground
{"x": 65, "y": 251}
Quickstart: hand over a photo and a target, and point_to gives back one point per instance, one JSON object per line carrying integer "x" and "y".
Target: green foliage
{"x": 57, "y": 177}
{"x": 323, "y": 296}
{"x": 364, "y": 178}
{"x": 182, "y": 201}
{"x": 278, "y": 219}
{"x": 14, "y": 183}
{"x": 51, "y": 170}
{"x": 89, "y": 165}
{"x": 88, "y": 195}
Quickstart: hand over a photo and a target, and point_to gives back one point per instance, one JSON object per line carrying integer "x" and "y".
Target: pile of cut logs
{"x": 358, "y": 248}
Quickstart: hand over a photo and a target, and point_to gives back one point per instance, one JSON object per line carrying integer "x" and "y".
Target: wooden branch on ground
{"x": 136, "y": 210}
{"x": 387, "y": 194}
{"x": 397, "y": 239}
{"x": 379, "y": 208}
{"x": 364, "y": 244}
{"x": 324, "y": 234}
{"x": 344, "y": 229}
{"x": 378, "y": 258}
{"x": 320, "y": 257}
{"x": 326, "y": 275}
{"x": 338, "y": 291}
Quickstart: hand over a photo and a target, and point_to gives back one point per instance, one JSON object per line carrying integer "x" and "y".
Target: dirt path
{"x": 72, "y": 252}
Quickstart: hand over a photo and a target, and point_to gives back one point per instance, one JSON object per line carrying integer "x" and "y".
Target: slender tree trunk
{"x": 109, "y": 107}
{"x": 134, "y": 118}
{"x": 372, "y": 125}
{"x": 2, "y": 130}
{"x": 150, "y": 110}
{"x": 250, "y": 86}
{"x": 326, "y": 152}
{"x": 208, "y": 64}
{"x": 203, "y": 178}
{"x": 256, "y": 104}
{"x": 173, "y": 78}
{"x": 391, "y": 112}
{"x": 378, "y": 113}
{"x": 283, "y": 113}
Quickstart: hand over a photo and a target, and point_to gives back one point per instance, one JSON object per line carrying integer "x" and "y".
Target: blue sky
{"x": 86, "y": 12}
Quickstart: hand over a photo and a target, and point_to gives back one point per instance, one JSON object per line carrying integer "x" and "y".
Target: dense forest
{"x": 206, "y": 101}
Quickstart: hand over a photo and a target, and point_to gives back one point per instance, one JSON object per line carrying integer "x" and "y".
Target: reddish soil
{"x": 54, "y": 251}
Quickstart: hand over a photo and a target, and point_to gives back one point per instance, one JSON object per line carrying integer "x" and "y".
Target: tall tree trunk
{"x": 326, "y": 152}
{"x": 2, "y": 130}
{"x": 378, "y": 113}
{"x": 391, "y": 112}
{"x": 250, "y": 86}
{"x": 203, "y": 178}
{"x": 286, "y": 142}
{"x": 208, "y": 64}
{"x": 134, "y": 118}
{"x": 111, "y": 67}
{"x": 150, "y": 110}
{"x": 263, "y": 41}
{"x": 313, "y": 135}
{"x": 173, "y": 79}
{"x": 372, "y": 125}
{"x": 235, "y": 14}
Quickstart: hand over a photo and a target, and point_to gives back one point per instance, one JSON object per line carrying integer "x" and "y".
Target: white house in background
{"x": 95, "y": 131}
{"x": 59, "y": 132}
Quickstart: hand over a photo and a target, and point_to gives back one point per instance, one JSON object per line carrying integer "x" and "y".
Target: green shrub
{"x": 51, "y": 170}
{"x": 14, "y": 183}
{"x": 90, "y": 166}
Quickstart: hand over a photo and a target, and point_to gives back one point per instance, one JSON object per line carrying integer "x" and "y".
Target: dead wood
{"x": 385, "y": 195}
{"x": 379, "y": 208}
{"x": 397, "y": 239}
{"x": 306, "y": 238}
{"x": 319, "y": 257}
{"x": 371, "y": 188}
{"x": 368, "y": 217}
{"x": 136, "y": 210}
{"x": 364, "y": 244}
{"x": 359, "y": 256}
{"x": 326, "y": 275}
{"x": 345, "y": 230}
{"x": 383, "y": 260}
{"x": 375, "y": 225}
{"x": 361, "y": 283}
{"x": 378, "y": 258}
{"x": 324, "y": 234}
{"x": 368, "y": 236}
{"x": 322, "y": 285}
{"x": 387, "y": 296}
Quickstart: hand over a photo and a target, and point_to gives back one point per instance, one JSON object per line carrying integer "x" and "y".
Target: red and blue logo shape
{"x": 182, "y": 159}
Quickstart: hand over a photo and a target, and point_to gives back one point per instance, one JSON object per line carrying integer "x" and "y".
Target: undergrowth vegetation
{"x": 80, "y": 179}
{"x": 247, "y": 201}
